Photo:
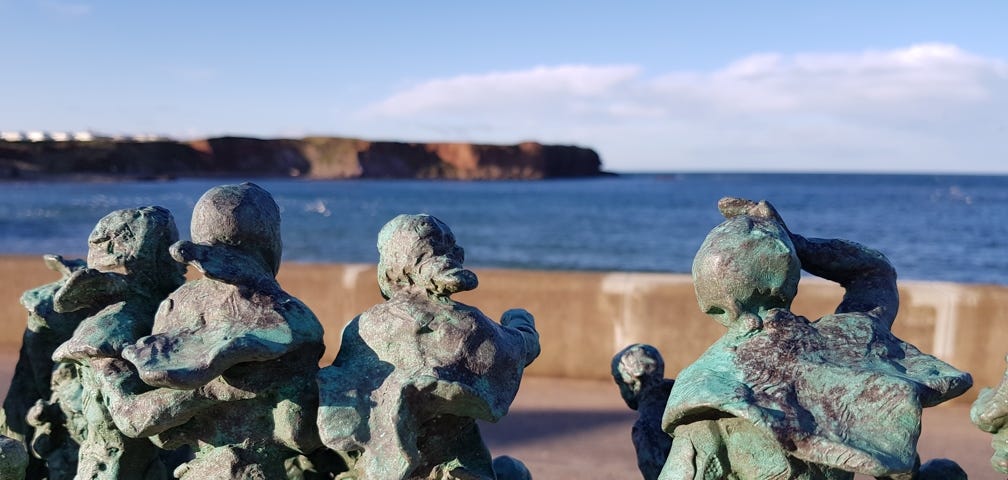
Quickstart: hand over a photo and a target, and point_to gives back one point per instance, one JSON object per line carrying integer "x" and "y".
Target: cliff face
{"x": 313, "y": 157}
{"x": 104, "y": 158}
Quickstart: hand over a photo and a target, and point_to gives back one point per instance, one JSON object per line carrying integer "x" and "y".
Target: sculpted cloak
{"x": 819, "y": 389}
{"x": 445, "y": 363}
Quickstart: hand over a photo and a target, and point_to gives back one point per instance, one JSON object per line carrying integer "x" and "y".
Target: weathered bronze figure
{"x": 990, "y": 414}
{"x": 47, "y": 329}
{"x": 415, "y": 372}
{"x": 128, "y": 273}
{"x": 639, "y": 371}
{"x": 779, "y": 396}
{"x": 229, "y": 366}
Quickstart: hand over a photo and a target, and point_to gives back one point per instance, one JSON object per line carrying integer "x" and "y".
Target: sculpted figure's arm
{"x": 139, "y": 410}
{"x": 869, "y": 280}
{"x": 990, "y": 410}
{"x": 521, "y": 320}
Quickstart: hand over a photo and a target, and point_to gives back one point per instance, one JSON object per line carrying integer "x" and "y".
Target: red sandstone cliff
{"x": 350, "y": 158}
{"x": 314, "y": 157}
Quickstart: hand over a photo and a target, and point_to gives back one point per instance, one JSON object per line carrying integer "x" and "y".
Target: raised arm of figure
{"x": 868, "y": 279}
{"x": 521, "y": 320}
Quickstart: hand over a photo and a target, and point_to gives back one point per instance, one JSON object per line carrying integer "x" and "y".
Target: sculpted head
{"x": 244, "y": 217}
{"x": 745, "y": 266}
{"x": 135, "y": 242}
{"x": 420, "y": 250}
{"x": 634, "y": 369}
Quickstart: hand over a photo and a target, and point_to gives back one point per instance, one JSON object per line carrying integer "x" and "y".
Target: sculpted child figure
{"x": 31, "y": 383}
{"x": 639, "y": 372}
{"x": 779, "y": 396}
{"x": 990, "y": 414}
{"x": 128, "y": 273}
{"x": 230, "y": 363}
{"x": 413, "y": 374}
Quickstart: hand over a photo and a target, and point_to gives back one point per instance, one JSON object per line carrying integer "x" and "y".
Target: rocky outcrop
{"x": 312, "y": 157}
{"x": 31, "y": 160}
{"x": 331, "y": 157}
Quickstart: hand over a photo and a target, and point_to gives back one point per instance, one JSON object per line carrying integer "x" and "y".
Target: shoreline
{"x": 102, "y": 178}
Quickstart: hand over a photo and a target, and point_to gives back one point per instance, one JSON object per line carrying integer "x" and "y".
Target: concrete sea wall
{"x": 585, "y": 317}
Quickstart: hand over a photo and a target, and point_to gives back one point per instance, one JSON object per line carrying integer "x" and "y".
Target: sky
{"x": 852, "y": 86}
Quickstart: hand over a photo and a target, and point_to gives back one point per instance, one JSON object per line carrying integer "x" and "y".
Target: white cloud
{"x": 927, "y": 106}
{"x": 66, "y": 9}
{"x": 192, "y": 74}
{"x": 508, "y": 90}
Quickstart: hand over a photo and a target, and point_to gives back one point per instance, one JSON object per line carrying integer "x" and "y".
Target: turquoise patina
{"x": 128, "y": 273}
{"x": 229, "y": 365}
{"x": 779, "y": 396}
{"x": 990, "y": 414}
{"x": 30, "y": 412}
{"x": 414, "y": 373}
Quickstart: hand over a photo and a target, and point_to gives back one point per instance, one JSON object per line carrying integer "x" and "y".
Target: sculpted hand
{"x": 522, "y": 321}
{"x": 64, "y": 267}
{"x": 89, "y": 287}
{"x": 519, "y": 316}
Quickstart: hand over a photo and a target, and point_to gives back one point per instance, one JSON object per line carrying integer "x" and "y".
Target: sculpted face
{"x": 421, "y": 250}
{"x": 745, "y": 267}
{"x": 135, "y": 242}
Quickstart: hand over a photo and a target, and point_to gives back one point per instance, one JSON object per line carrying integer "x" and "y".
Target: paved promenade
{"x": 580, "y": 429}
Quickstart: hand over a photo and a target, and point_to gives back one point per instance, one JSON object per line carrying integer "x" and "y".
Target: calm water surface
{"x": 932, "y": 227}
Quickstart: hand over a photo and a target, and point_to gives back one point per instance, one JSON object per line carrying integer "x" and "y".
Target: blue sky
{"x": 653, "y": 86}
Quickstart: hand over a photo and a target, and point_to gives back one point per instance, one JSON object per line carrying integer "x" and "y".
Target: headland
{"x": 310, "y": 157}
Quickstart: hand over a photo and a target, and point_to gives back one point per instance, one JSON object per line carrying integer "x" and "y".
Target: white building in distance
{"x": 36, "y": 136}
{"x": 42, "y": 136}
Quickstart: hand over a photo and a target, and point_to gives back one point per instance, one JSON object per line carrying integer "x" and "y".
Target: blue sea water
{"x": 932, "y": 227}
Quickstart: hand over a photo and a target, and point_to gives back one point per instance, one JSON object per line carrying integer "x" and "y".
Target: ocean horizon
{"x": 941, "y": 227}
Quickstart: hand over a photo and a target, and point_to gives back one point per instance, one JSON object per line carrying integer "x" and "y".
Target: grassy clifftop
{"x": 312, "y": 157}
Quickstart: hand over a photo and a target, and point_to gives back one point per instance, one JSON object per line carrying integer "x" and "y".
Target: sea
{"x": 932, "y": 227}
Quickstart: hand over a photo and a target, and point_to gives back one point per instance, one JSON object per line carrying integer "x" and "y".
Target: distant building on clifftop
{"x": 81, "y": 136}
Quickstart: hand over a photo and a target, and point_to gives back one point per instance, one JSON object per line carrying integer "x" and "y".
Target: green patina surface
{"x": 414, "y": 373}
{"x": 33, "y": 379}
{"x": 128, "y": 273}
{"x": 990, "y": 414}
{"x": 229, "y": 363}
{"x": 779, "y": 396}
{"x": 127, "y": 373}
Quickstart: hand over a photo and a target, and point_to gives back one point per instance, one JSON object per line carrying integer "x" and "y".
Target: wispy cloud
{"x": 508, "y": 91}
{"x": 66, "y": 9}
{"x": 191, "y": 74}
{"x": 927, "y": 103}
